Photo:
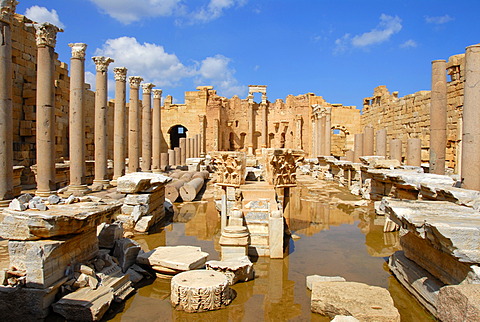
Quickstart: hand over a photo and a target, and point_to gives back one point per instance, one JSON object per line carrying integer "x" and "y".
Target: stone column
{"x": 192, "y": 147}
{"x": 157, "y": 130}
{"x": 314, "y": 137}
{"x": 438, "y": 117}
{"x": 46, "y": 35}
{"x": 368, "y": 137}
{"x": 216, "y": 135}
{"x": 471, "y": 119}
{"x": 298, "y": 131}
{"x": 381, "y": 143}
{"x": 328, "y": 132}
{"x": 163, "y": 161}
{"x": 101, "y": 97}
{"x": 350, "y": 155}
{"x": 321, "y": 131}
{"x": 147, "y": 127}
{"x": 76, "y": 116}
{"x": 120, "y": 75}
{"x": 202, "y": 120}
{"x": 358, "y": 147}
{"x": 187, "y": 148}
{"x": 414, "y": 152}
{"x": 134, "y": 125}
{"x": 264, "y": 110}
{"x": 196, "y": 141}
{"x": 171, "y": 158}
{"x": 6, "y": 107}
{"x": 251, "y": 126}
{"x": 183, "y": 151}
{"x": 396, "y": 150}
{"x": 177, "y": 156}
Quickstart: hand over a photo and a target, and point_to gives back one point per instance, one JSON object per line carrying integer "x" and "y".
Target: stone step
{"x": 256, "y": 216}
{"x": 258, "y": 228}
{"x": 260, "y": 251}
{"x": 259, "y": 240}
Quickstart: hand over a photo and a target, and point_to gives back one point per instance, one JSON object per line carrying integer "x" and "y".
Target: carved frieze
{"x": 147, "y": 88}
{"x": 230, "y": 168}
{"x": 102, "y": 62}
{"x": 78, "y": 50}
{"x": 135, "y": 81}
{"x": 46, "y": 34}
{"x": 120, "y": 74}
{"x": 281, "y": 165}
{"x": 7, "y": 9}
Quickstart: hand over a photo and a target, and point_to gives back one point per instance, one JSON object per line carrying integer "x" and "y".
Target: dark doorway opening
{"x": 176, "y": 132}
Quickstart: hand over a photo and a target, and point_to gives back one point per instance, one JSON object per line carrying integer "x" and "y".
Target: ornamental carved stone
{"x": 46, "y": 34}
{"x": 147, "y": 88}
{"x": 120, "y": 74}
{"x": 319, "y": 111}
{"x": 135, "y": 81}
{"x": 7, "y": 10}
{"x": 230, "y": 168}
{"x": 281, "y": 165}
{"x": 102, "y": 62}
{"x": 78, "y": 50}
{"x": 157, "y": 93}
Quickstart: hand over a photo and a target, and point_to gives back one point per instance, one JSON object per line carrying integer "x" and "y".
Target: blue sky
{"x": 338, "y": 49}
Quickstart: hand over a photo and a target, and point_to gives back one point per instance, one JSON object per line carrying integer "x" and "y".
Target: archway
{"x": 340, "y": 136}
{"x": 176, "y": 132}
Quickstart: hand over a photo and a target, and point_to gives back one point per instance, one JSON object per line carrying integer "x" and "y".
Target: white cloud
{"x": 218, "y": 72}
{"x": 409, "y": 44}
{"x": 215, "y": 9}
{"x": 438, "y": 20}
{"x": 147, "y": 60}
{"x": 387, "y": 27}
{"x": 42, "y": 14}
{"x": 90, "y": 79}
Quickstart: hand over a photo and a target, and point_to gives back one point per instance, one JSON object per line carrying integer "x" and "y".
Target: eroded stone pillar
{"x": 156, "y": 130}
{"x": 414, "y": 152}
{"x": 177, "y": 155}
{"x": 46, "y": 35}
{"x": 183, "y": 151}
{"x": 6, "y": 101}
{"x": 471, "y": 120}
{"x": 350, "y": 155}
{"x": 264, "y": 109}
{"x": 298, "y": 131}
{"x": 381, "y": 143}
{"x": 187, "y": 148}
{"x": 251, "y": 126}
{"x": 171, "y": 158}
{"x": 396, "y": 150}
{"x": 163, "y": 161}
{"x": 147, "y": 127}
{"x": 203, "y": 127}
{"x": 192, "y": 147}
{"x": 358, "y": 147}
{"x": 438, "y": 117}
{"x": 328, "y": 132}
{"x": 197, "y": 145}
{"x": 368, "y": 140}
{"x": 321, "y": 131}
{"x": 134, "y": 125}
{"x": 216, "y": 135}
{"x": 120, "y": 75}
{"x": 101, "y": 98}
{"x": 314, "y": 137}
{"x": 76, "y": 116}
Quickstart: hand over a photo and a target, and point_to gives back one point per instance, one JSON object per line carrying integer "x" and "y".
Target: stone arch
{"x": 341, "y": 138}
{"x": 175, "y": 133}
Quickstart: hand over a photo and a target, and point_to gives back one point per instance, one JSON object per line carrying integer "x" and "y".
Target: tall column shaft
{"x": 381, "y": 143}
{"x": 414, "y": 152}
{"x": 183, "y": 150}
{"x": 264, "y": 110}
{"x": 134, "y": 125}
{"x": 119, "y": 150}
{"x": 77, "y": 119}
{"x": 203, "y": 126}
{"x": 251, "y": 128}
{"x": 177, "y": 152}
{"x": 171, "y": 158}
{"x": 6, "y": 114}
{"x": 192, "y": 147}
{"x": 368, "y": 140}
{"x": 438, "y": 117}
{"x": 187, "y": 148}
{"x": 298, "y": 132}
{"x": 314, "y": 138}
{"x": 147, "y": 127}
{"x": 156, "y": 130}
{"x": 328, "y": 132}
{"x": 46, "y": 182}
{"x": 216, "y": 135}
{"x": 196, "y": 143}
{"x": 396, "y": 150}
{"x": 471, "y": 119}
{"x": 358, "y": 147}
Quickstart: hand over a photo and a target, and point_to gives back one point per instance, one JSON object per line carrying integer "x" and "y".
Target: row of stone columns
{"x": 322, "y": 130}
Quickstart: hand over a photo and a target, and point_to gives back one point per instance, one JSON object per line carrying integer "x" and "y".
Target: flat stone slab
{"x": 182, "y": 258}
{"x": 59, "y": 220}
{"x": 450, "y": 228}
{"x": 464, "y": 197}
{"x": 239, "y": 269}
{"x": 312, "y": 279}
{"x": 364, "y": 302}
{"x": 200, "y": 290}
{"x": 141, "y": 182}
{"x": 459, "y": 303}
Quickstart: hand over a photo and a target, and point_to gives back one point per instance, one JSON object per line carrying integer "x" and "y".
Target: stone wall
{"x": 409, "y": 116}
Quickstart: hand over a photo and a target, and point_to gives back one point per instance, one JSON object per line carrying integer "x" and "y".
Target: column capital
{"x": 120, "y": 74}
{"x": 157, "y": 93}
{"x": 135, "y": 81}
{"x": 78, "y": 50}
{"x": 7, "y": 10}
{"x": 147, "y": 88}
{"x": 102, "y": 62}
{"x": 46, "y": 34}
{"x": 201, "y": 118}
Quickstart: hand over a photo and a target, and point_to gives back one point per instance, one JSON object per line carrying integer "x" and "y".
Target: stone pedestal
{"x": 101, "y": 107}
{"x": 234, "y": 242}
{"x": 438, "y": 117}
{"x": 147, "y": 127}
{"x": 381, "y": 143}
{"x": 119, "y": 123}
{"x": 200, "y": 290}
{"x": 414, "y": 152}
{"x": 396, "y": 150}
{"x": 156, "y": 131}
{"x": 134, "y": 125}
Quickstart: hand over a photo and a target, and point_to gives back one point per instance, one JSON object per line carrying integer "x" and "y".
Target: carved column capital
{"x": 147, "y": 88}
{"x": 7, "y": 10}
{"x": 78, "y": 50}
{"x": 46, "y": 34}
{"x": 102, "y": 62}
{"x": 135, "y": 81}
{"x": 120, "y": 74}
{"x": 157, "y": 93}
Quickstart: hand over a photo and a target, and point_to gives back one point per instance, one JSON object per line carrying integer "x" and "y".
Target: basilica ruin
{"x": 83, "y": 178}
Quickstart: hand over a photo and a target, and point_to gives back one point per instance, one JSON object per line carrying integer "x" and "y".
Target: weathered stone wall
{"x": 409, "y": 116}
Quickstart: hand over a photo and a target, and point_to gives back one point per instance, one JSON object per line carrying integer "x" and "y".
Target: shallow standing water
{"x": 332, "y": 237}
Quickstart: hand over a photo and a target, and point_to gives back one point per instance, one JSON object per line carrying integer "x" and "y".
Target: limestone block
{"x": 126, "y": 251}
{"x": 108, "y": 234}
{"x": 459, "y": 303}
{"x": 320, "y": 279}
{"x": 45, "y": 261}
{"x": 240, "y": 269}
{"x": 145, "y": 223}
{"x": 385, "y": 164}
{"x": 364, "y": 302}
{"x": 175, "y": 257}
{"x": 344, "y": 318}
{"x": 141, "y": 182}
{"x": 59, "y": 220}
{"x": 276, "y": 236}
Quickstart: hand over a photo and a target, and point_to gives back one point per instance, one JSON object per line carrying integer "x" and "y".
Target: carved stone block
{"x": 230, "y": 168}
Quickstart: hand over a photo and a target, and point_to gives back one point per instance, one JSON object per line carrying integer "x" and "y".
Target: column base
{"x": 5, "y": 203}
{"x": 78, "y": 190}
{"x": 99, "y": 185}
{"x": 45, "y": 194}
